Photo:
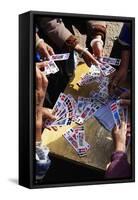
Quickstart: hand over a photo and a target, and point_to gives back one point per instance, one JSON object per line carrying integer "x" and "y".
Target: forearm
{"x": 124, "y": 59}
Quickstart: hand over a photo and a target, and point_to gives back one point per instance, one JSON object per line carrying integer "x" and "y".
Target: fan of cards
{"x": 52, "y": 68}
{"x": 67, "y": 110}
{"x": 64, "y": 111}
{"x": 76, "y": 138}
{"x": 96, "y": 73}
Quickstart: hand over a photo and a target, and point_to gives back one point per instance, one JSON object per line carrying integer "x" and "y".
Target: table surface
{"x": 96, "y": 135}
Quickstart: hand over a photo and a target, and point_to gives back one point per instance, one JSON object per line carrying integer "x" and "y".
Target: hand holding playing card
{"x": 42, "y": 65}
{"x": 41, "y": 115}
{"x": 45, "y": 50}
{"x": 119, "y": 136}
{"x": 89, "y": 58}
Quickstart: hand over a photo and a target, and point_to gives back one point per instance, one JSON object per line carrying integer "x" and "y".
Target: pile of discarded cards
{"x": 96, "y": 73}
{"x": 76, "y": 138}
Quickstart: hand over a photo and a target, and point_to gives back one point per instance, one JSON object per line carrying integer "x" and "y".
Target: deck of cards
{"x": 76, "y": 138}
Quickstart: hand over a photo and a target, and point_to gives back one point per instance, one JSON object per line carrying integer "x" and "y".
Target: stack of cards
{"x": 96, "y": 74}
{"x": 76, "y": 138}
{"x": 93, "y": 75}
{"x": 64, "y": 111}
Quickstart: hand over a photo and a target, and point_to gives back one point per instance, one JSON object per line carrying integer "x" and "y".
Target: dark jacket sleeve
{"x": 125, "y": 36}
{"x": 96, "y": 28}
{"x": 57, "y": 32}
{"x": 119, "y": 167}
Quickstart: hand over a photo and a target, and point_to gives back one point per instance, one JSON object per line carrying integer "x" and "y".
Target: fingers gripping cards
{"x": 51, "y": 67}
{"x": 63, "y": 110}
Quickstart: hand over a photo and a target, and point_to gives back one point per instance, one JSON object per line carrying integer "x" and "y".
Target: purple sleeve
{"x": 119, "y": 167}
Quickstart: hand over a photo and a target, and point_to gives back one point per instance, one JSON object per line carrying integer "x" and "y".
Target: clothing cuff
{"x": 117, "y": 155}
{"x": 70, "y": 43}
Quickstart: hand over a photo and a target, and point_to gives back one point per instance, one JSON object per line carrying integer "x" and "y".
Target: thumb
{"x": 47, "y": 115}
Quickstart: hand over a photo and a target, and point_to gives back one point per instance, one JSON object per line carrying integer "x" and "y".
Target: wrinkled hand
{"x": 45, "y": 50}
{"x": 97, "y": 49}
{"x": 116, "y": 79}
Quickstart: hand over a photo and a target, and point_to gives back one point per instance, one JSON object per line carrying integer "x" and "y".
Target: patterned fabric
{"x": 119, "y": 167}
{"x": 42, "y": 161}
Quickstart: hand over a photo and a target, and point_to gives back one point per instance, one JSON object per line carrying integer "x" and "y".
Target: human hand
{"x": 42, "y": 65}
{"x": 45, "y": 50}
{"x": 41, "y": 115}
{"x": 125, "y": 99}
{"x": 89, "y": 59}
{"x": 119, "y": 136}
{"x": 87, "y": 56}
{"x": 41, "y": 87}
{"x": 97, "y": 49}
{"x": 116, "y": 79}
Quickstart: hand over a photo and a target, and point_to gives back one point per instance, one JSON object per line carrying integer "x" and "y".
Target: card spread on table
{"x": 76, "y": 138}
{"x": 96, "y": 74}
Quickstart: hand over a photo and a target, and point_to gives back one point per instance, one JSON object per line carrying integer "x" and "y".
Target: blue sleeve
{"x": 125, "y": 35}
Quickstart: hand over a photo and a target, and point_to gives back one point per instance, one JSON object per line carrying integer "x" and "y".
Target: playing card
{"x": 60, "y": 57}
{"x": 115, "y": 113}
{"x": 105, "y": 117}
{"x": 107, "y": 69}
{"x": 53, "y": 66}
{"x": 110, "y": 61}
{"x": 76, "y": 138}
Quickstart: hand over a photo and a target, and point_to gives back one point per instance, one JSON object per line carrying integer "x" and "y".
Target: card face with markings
{"x": 76, "y": 138}
{"x": 60, "y": 57}
{"x": 110, "y": 61}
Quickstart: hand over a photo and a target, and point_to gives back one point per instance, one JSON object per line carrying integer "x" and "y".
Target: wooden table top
{"x": 96, "y": 135}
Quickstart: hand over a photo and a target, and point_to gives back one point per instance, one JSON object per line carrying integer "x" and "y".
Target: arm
{"x": 125, "y": 44}
{"x": 96, "y": 31}
{"x": 43, "y": 48}
{"x": 63, "y": 38}
{"x": 119, "y": 166}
